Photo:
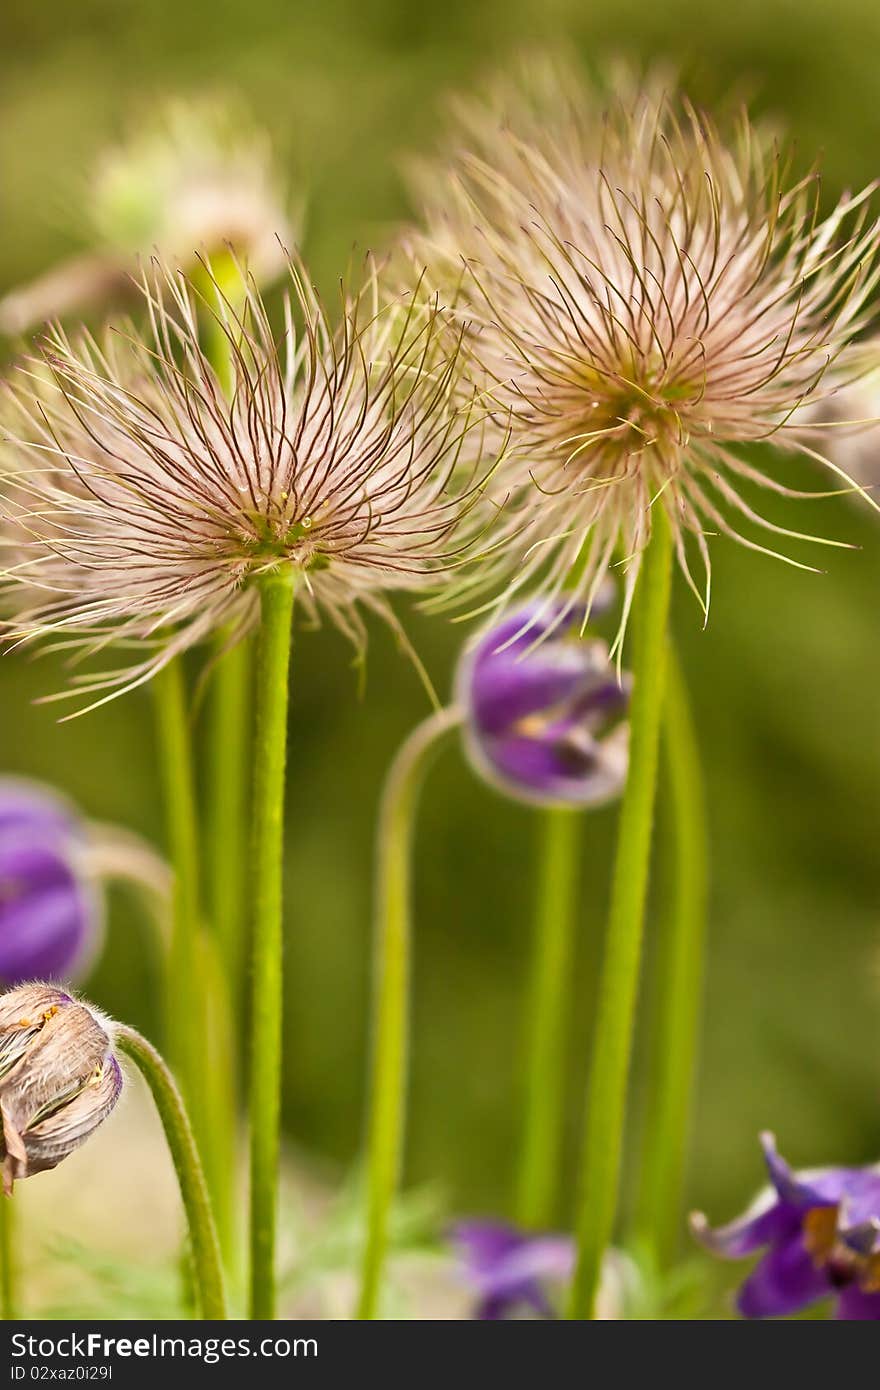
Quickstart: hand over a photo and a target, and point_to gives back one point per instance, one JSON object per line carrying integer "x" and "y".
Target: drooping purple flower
{"x": 512, "y": 1272}
{"x": 543, "y": 707}
{"x": 50, "y": 913}
{"x": 820, "y": 1230}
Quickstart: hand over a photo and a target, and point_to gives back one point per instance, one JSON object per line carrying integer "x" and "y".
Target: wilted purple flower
{"x": 50, "y": 911}
{"x": 543, "y": 707}
{"x": 821, "y": 1230}
{"x": 510, "y": 1270}
{"x": 58, "y": 1078}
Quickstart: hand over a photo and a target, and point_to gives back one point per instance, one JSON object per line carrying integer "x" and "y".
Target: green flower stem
{"x": 226, "y": 786}
{"x": 270, "y": 750}
{"x": 8, "y": 1309}
{"x": 190, "y": 1175}
{"x": 679, "y": 977}
{"x": 184, "y": 997}
{"x": 549, "y": 1013}
{"x": 228, "y": 767}
{"x": 195, "y": 1007}
{"x": 229, "y": 696}
{"x": 609, "y": 1072}
{"x": 387, "y": 1102}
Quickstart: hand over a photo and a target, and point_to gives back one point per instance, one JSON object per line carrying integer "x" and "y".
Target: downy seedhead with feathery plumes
{"x": 144, "y": 500}
{"x": 644, "y": 301}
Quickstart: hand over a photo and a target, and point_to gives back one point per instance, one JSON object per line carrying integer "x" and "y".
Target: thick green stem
{"x": 226, "y": 852}
{"x": 549, "y": 1014}
{"x": 678, "y": 985}
{"x": 8, "y": 1308}
{"x": 190, "y": 1175}
{"x": 387, "y": 1103}
{"x": 228, "y": 768}
{"x": 223, "y": 291}
{"x": 609, "y": 1072}
{"x": 270, "y": 755}
{"x": 196, "y": 1007}
{"x": 186, "y": 1006}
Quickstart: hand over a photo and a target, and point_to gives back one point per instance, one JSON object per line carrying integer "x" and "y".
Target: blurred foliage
{"x": 785, "y": 678}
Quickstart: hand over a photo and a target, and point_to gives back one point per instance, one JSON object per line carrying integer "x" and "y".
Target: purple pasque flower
{"x": 820, "y": 1229}
{"x": 543, "y": 708}
{"x": 512, "y": 1272}
{"x": 50, "y": 912}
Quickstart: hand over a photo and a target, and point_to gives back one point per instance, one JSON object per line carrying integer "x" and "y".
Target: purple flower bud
{"x": 820, "y": 1230}
{"x": 50, "y": 914}
{"x": 58, "y": 1078}
{"x": 543, "y": 708}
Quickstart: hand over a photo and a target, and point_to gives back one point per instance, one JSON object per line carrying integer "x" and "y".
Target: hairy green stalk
{"x": 678, "y": 985}
{"x": 270, "y": 756}
{"x": 549, "y": 1015}
{"x": 196, "y": 1007}
{"x": 609, "y": 1072}
{"x": 226, "y": 821}
{"x": 186, "y": 1005}
{"x": 387, "y": 1100}
{"x": 205, "y": 1248}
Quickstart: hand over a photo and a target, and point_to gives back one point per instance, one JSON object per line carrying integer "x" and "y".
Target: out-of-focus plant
{"x": 194, "y": 178}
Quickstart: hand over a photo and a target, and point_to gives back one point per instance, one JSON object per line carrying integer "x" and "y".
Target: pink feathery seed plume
{"x": 144, "y": 499}
{"x": 643, "y": 301}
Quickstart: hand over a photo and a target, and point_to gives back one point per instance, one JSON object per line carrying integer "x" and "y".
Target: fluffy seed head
{"x": 145, "y": 499}
{"x": 646, "y": 300}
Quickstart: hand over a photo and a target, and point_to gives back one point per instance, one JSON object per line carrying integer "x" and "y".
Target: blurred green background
{"x": 785, "y": 680}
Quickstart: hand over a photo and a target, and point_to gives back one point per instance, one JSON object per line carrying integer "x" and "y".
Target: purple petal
{"x": 510, "y": 1270}
{"x": 858, "y": 1188}
{"x": 539, "y": 707}
{"x": 481, "y": 1244}
{"x": 783, "y": 1282}
{"x": 500, "y": 684}
{"x": 767, "y": 1221}
{"x": 567, "y": 767}
{"x": 28, "y": 805}
{"x": 854, "y": 1305}
{"x": 49, "y": 917}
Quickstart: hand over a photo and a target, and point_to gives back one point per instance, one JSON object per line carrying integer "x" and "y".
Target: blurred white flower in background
{"x": 195, "y": 178}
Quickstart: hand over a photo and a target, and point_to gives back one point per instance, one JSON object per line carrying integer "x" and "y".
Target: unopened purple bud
{"x": 544, "y": 709}
{"x": 59, "y": 1079}
{"x": 50, "y": 913}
